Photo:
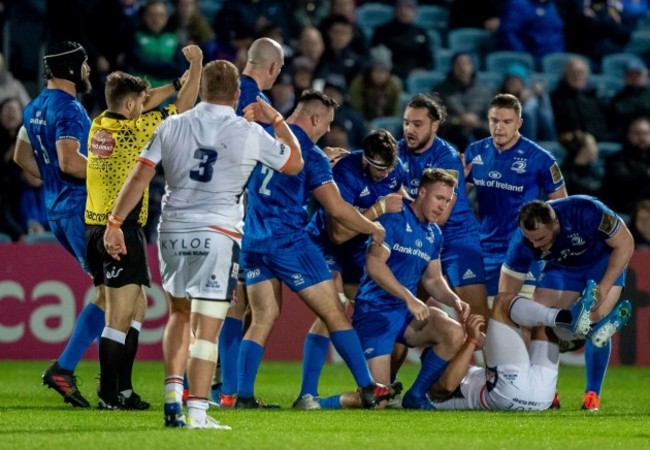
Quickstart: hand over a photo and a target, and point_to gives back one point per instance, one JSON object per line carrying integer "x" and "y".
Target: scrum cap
{"x": 64, "y": 60}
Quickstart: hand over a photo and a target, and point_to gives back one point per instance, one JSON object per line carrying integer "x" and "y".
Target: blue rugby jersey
{"x": 441, "y": 155}
{"x": 52, "y": 116}
{"x": 504, "y": 182}
{"x": 249, "y": 93}
{"x": 275, "y": 215}
{"x": 358, "y": 189}
{"x": 585, "y": 224}
{"x": 412, "y": 245}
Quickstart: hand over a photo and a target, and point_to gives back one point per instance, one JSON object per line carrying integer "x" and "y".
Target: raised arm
{"x": 339, "y": 233}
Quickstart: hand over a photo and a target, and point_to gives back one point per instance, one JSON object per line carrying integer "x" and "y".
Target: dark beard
{"x": 83, "y": 87}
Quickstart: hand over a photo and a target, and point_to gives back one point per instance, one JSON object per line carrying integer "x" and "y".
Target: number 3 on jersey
{"x": 203, "y": 171}
{"x": 269, "y": 174}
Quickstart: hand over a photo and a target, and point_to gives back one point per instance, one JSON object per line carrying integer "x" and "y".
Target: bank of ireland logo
{"x": 418, "y": 243}
{"x": 576, "y": 240}
{"x": 519, "y": 166}
{"x": 495, "y": 175}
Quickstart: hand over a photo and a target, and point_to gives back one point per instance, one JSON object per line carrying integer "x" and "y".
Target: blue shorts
{"x": 326, "y": 249}
{"x": 300, "y": 266}
{"x": 575, "y": 278}
{"x": 462, "y": 261}
{"x": 349, "y": 264}
{"x": 493, "y": 271}
{"x": 378, "y": 331}
{"x": 71, "y": 233}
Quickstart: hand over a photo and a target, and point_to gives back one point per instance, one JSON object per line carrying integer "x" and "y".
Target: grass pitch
{"x": 32, "y": 416}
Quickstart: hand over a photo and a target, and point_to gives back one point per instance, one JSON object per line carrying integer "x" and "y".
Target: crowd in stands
{"x": 583, "y": 87}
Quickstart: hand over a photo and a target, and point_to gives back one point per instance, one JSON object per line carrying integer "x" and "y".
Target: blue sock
{"x": 333, "y": 402}
{"x": 346, "y": 342}
{"x": 232, "y": 333}
{"x": 313, "y": 360}
{"x": 432, "y": 367}
{"x": 89, "y": 327}
{"x": 248, "y": 363}
{"x": 596, "y": 360}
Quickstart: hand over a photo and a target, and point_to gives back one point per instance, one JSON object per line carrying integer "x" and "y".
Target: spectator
{"x": 282, "y": 94}
{"x": 475, "y": 14}
{"x": 576, "y": 105}
{"x": 311, "y": 45}
{"x": 597, "y": 29}
{"x": 376, "y": 91}
{"x": 537, "y": 111}
{"x": 633, "y": 100}
{"x": 581, "y": 172}
{"x": 302, "y": 74}
{"x": 247, "y": 18}
{"x": 11, "y": 87}
{"x": 337, "y": 137}
{"x": 627, "y": 173}
{"x": 640, "y": 225}
{"x": 10, "y": 173}
{"x": 190, "y": 25}
{"x": 339, "y": 57}
{"x": 347, "y": 9}
{"x": 466, "y": 101}
{"x": 533, "y": 26}
{"x": 408, "y": 42}
{"x": 306, "y": 13}
{"x": 346, "y": 115}
{"x": 156, "y": 53}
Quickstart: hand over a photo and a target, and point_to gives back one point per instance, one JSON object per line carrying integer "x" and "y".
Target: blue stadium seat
{"x": 468, "y": 39}
{"x": 432, "y": 16}
{"x": 418, "y": 82}
{"x": 5, "y": 238}
{"x": 435, "y": 41}
{"x": 500, "y": 60}
{"x": 606, "y": 85}
{"x": 606, "y": 149}
{"x": 372, "y": 15}
{"x": 639, "y": 43}
{"x": 491, "y": 80}
{"x": 615, "y": 63}
{"x": 45, "y": 237}
{"x": 548, "y": 80}
{"x": 442, "y": 60}
{"x": 391, "y": 123}
{"x": 554, "y": 63}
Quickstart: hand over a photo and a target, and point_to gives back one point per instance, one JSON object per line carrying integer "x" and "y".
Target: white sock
{"x": 174, "y": 390}
{"x": 528, "y": 313}
{"x": 197, "y": 409}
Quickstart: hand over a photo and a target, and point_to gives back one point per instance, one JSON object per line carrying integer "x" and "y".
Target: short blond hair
{"x": 219, "y": 81}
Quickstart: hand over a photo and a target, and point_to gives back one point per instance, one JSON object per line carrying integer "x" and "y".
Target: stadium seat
{"x": 468, "y": 39}
{"x": 606, "y": 85}
{"x": 548, "y": 80}
{"x": 491, "y": 80}
{"x": 606, "y": 149}
{"x": 500, "y": 60}
{"x": 391, "y": 123}
{"x": 615, "y": 63}
{"x": 442, "y": 60}
{"x": 418, "y": 82}
{"x": 5, "y": 238}
{"x": 45, "y": 237}
{"x": 554, "y": 63}
{"x": 371, "y": 15}
{"x": 555, "y": 148}
{"x": 432, "y": 16}
{"x": 210, "y": 8}
{"x": 639, "y": 43}
{"x": 435, "y": 40}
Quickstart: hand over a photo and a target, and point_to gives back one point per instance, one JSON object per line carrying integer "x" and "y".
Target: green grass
{"x": 32, "y": 416}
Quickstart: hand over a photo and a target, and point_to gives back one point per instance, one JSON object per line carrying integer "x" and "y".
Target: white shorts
{"x": 519, "y": 378}
{"x": 201, "y": 264}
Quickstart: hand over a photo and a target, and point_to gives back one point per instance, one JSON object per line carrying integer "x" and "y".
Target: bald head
{"x": 265, "y": 51}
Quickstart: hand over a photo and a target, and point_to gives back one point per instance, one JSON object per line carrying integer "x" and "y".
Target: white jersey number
{"x": 269, "y": 174}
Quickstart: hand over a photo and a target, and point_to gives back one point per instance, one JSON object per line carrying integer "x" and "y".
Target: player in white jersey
{"x": 516, "y": 377}
{"x": 207, "y": 155}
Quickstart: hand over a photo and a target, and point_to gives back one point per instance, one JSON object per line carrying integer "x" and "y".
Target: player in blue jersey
{"x": 579, "y": 239}
{"x": 387, "y": 310}
{"x": 54, "y": 149}
{"x": 265, "y": 59}
{"x": 276, "y": 248}
{"x": 370, "y": 180}
{"x": 507, "y": 170}
{"x": 421, "y": 149}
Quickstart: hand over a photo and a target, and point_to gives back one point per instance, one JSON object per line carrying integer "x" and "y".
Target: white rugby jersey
{"x": 472, "y": 392}
{"x": 207, "y": 155}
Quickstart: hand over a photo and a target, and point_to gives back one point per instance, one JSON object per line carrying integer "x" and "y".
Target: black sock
{"x": 110, "y": 355}
{"x": 128, "y": 358}
{"x": 563, "y": 317}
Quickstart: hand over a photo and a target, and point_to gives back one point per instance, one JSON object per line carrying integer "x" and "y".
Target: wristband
{"x": 472, "y": 341}
{"x": 115, "y": 221}
{"x": 177, "y": 84}
{"x": 382, "y": 205}
{"x": 278, "y": 120}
